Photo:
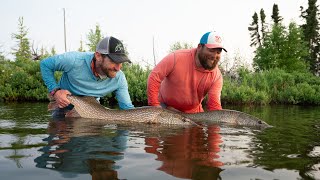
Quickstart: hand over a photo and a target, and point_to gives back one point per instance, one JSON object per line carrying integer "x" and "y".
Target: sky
{"x": 143, "y": 25}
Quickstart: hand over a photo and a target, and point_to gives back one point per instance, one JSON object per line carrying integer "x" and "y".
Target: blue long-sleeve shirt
{"x": 79, "y": 79}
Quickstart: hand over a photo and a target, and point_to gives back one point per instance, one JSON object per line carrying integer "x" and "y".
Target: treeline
{"x": 22, "y": 82}
{"x": 292, "y": 48}
{"x": 285, "y": 65}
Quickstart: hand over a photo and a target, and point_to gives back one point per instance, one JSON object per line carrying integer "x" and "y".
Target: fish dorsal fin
{"x": 89, "y": 99}
{"x": 84, "y": 104}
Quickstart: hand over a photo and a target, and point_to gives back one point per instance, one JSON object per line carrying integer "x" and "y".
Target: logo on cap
{"x": 118, "y": 48}
{"x": 218, "y": 39}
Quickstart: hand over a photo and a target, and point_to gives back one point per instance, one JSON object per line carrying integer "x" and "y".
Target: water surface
{"x": 33, "y": 146}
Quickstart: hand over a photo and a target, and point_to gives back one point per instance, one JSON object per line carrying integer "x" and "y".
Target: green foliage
{"x": 2, "y": 58}
{"x": 282, "y": 49}
{"x": 294, "y": 51}
{"x": 22, "y": 52}
{"x": 137, "y": 82}
{"x": 254, "y": 31}
{"x": 275, "y": 15}
{"x": 311, "y": 35}
{"x": 94, "y": 37}
{"x": 179, "y": 45}
{"x": 271, "y": 86}
{"x": 245, "y": 89}
{"x": 297, "y": 55}
{"x": 21, "y": 83}
{"x": 263, "y": 23}
{"x": 267, "y": 55}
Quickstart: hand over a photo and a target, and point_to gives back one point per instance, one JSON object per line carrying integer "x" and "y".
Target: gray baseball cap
{"x": 113, "y": 48}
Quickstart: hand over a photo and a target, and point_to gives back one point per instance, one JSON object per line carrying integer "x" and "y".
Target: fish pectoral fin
{"x": 186, "y": 120}
{"x": 152, "y": 122}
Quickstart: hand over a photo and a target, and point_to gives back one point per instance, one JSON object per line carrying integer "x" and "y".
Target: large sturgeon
{"x": 88, "y": 107}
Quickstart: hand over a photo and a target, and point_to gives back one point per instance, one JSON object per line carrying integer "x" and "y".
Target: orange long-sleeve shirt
{"x": 176, "y": 81}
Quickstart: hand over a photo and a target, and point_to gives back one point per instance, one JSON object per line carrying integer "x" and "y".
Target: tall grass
{"x": 272, "y": 86}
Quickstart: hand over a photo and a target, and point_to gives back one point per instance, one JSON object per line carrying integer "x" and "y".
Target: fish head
{"x": 249, "y": 120}
{"x": 263, "y": 124}
{"x": 254, "y": 123}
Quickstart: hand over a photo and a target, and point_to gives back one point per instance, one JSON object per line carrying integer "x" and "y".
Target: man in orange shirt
{"x": 183, "y": 78}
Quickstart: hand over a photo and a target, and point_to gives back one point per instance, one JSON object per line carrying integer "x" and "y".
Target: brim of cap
{"x": 119, "y": 58}
{"x": 215, "y": 46}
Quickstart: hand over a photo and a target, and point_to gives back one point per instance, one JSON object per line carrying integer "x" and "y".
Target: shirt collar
{"x": 93, "y": 67}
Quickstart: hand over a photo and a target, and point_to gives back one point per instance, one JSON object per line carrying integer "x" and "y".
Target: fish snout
{"x": 264, "y": 124}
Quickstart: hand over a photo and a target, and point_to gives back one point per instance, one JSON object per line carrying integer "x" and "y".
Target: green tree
{"x": 22, "y": 52}
{"x": 311, "y": 35}
{"x": 263, "y": 23}
{"x": 254, "y": 31}
{"x": 94, "y": 37}
{"x": 282, "y": 49}
{"x": 275, "y": 14}
{"x": 294, "y": 51}
{"x": 267, "y": 55}
{"x": 179, "y": 45}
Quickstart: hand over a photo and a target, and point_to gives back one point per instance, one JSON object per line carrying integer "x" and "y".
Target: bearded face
{"x": 209, "y": 57}
{"x": 107, "y": 68}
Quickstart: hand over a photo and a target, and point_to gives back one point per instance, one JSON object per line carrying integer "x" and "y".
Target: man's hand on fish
{"x": 61, "y": 98}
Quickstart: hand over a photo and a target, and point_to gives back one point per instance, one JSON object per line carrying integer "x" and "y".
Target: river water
{"x": 33, "y": 146}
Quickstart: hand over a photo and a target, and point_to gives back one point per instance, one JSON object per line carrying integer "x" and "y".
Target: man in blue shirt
{"x": 88, "y": 73}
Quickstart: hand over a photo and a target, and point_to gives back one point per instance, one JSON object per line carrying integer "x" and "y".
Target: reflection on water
{"x": 36, "y": 147}
{"x": 87, "y": 146}
{"x": 82, "y": 149}
{"x": 192, "y": 154}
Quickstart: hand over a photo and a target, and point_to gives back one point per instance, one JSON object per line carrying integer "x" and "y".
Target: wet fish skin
{"x": 227, "y": 116}
{"x": 88, "y": 107}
